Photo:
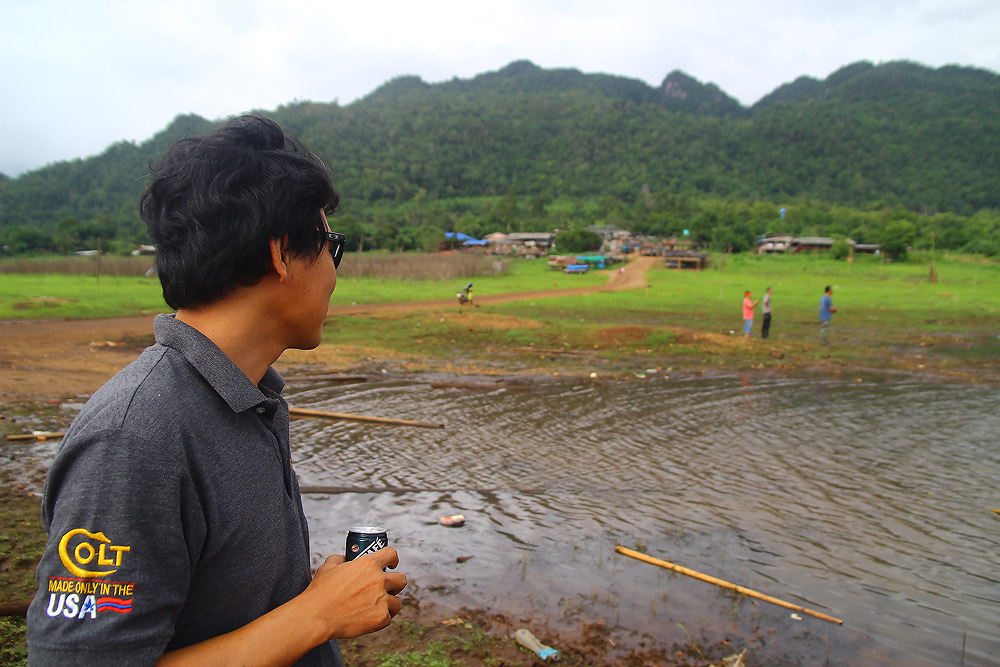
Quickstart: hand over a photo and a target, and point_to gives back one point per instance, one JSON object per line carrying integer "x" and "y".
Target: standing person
{"x": 765, "y": 328}
{"x": 826, "y": 311}
{"x": 748, "y": 307}
{"x": 176, "y": 529}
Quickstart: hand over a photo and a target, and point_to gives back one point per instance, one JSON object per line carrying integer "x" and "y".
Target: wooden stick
{"x": 321, "y": 414}
{"x": 14, "y": 608}
{"x": 37, "y": 435}
{"x": 724, "y": 584}
{"x": 334, "y": 490}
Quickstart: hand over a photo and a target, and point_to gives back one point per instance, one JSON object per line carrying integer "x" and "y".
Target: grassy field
{"x": 46, "y": 293}
{"x": 890, "y": 316}
{"x": 888, "y": 313}
{"x": 57, "y": 295}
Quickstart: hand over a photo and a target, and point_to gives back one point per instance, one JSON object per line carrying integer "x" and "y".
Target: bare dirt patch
{"x": 613, "y": 336}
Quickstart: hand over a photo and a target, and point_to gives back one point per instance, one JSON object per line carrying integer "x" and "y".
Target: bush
{"x": 840, "y": 249}
{"x": 577, "y": 240}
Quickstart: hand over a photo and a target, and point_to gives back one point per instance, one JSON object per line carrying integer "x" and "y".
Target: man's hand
{"x": 358, "y": 597}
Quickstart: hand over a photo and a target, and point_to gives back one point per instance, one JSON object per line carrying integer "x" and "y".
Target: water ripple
{"x": 866, "y": 500}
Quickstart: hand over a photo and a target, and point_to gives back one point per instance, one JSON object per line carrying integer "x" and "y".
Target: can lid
{"x": 367, "y": 529}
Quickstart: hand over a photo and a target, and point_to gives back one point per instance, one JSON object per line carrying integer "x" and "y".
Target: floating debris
{"x": 530, "y": 642}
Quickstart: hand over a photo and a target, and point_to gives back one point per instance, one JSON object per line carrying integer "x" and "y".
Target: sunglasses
{"x": 338, "y": 242}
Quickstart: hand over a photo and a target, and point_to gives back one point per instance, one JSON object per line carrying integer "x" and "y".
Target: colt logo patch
{"x": 79, "y": 548}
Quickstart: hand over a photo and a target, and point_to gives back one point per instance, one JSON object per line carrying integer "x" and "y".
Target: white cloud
{"x": 76, "y": 77}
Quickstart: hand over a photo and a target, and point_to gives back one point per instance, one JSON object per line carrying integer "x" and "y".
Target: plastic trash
{"x": 453, "y": 521}
{"x": 530, "y": 642}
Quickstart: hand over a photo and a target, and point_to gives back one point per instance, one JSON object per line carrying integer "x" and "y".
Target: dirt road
{"x": 42, "y": 359}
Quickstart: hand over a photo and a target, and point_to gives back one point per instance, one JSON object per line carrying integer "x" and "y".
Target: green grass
{"x": 882, "y": 309}
{"x": 524, "y": 275}
{"x": 13, "y": 651}
{"x": 65, "y": 296}
{"x": 866, "y": 292}
{"x": 888, "y": 314}
{"x": 48, "y": 295}
{"x": 435, "y": 655}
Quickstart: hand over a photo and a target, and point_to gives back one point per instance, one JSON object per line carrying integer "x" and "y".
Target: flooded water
{"x": 867, "y": 501}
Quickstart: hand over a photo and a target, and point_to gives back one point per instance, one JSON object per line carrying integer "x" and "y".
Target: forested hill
{"x": 896, "y": 134}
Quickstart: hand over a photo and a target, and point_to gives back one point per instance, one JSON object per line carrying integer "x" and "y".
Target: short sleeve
{"x": 125, "y": 530}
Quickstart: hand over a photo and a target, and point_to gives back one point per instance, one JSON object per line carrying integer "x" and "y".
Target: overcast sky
{"x": 76, "y": 76}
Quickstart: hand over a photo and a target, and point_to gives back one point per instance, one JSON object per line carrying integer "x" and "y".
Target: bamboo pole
{"x": 37, "y": 435}
{"x": 322, "y": 414}
{"x": 724, "y": 584}
{"x": 14, "y": 608}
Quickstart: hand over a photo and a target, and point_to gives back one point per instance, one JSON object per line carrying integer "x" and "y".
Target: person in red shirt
{"x": 748, "y": 306}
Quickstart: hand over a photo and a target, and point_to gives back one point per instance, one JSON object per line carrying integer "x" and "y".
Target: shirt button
{"x": 260, "y": 411}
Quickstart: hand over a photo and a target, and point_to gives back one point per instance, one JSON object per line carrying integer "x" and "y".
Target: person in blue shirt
{"x": 826, "y": 311}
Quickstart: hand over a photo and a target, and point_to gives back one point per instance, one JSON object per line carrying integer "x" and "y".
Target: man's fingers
{"x": 386, "y": 557}
{"x": 395, "y": 604}
{"x": 395, "y": 582}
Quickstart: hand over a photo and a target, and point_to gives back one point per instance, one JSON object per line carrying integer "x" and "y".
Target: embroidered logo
{"x": 87, "y": 593}
{"x": 77, "y": 559}
{"x": 86, "y": 598}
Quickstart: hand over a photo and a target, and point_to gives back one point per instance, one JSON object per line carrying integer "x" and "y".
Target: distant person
{"x": 826, "y": 311}
{"x": 748, "y": 307}
{"x": 175, "y": 522}
{"x": 765, "y": 328}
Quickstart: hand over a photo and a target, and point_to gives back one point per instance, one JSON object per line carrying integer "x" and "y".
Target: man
{"x": 176, "y": 530}
{"x": 748, "y": 307}
{"x": 766, "y": 324}
{"x": 826, "y": 311}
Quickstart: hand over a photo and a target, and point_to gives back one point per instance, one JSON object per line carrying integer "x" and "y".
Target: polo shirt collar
{"x": 219, "y": 371}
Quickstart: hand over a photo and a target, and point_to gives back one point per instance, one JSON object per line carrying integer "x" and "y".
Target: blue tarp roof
{"x": 475, "y": 242}
{"x": 460, "y": 236}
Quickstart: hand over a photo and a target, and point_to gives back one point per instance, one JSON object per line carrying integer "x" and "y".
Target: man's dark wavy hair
{"x": 213, "y": 203}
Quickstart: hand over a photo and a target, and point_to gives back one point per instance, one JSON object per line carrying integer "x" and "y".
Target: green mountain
{"x": 892, "y": 135}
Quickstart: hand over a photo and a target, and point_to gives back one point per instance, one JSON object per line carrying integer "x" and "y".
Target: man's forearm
{"x": 277, "y": 638}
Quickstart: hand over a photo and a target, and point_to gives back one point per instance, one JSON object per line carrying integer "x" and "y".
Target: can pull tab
{"x": 530, "y": 642}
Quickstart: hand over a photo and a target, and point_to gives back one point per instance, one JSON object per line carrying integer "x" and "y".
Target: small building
{"x": 681, "y": 259}
{"x": 675, "y": 243}
{"x": 806, "y": 243}
{"x": 772, "y": 243}
{"x": 532, "y": 239}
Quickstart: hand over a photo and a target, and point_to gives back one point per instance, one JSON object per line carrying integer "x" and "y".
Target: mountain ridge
{"x": 892, "y": 134}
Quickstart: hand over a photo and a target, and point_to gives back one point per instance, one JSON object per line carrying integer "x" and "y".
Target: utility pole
{"x": 933, "y": 270}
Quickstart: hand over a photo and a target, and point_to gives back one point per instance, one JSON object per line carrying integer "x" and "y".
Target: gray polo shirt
{"x": 172, "y": 511}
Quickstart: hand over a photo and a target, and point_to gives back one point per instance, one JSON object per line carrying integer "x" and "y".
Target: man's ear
{"x": 279, "y": 257}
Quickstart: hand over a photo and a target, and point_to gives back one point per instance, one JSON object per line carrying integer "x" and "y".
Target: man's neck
{"x": 239, "y": 332}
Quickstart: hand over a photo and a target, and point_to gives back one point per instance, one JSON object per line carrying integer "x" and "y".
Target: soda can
{"x": 363, "y": 540}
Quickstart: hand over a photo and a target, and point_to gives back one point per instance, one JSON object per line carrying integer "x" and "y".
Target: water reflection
{"x": 866, "y": 501}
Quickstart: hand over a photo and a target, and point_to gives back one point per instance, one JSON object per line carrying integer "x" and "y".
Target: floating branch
{"x": 36, "y": 435}
{"x": 724, "y": 584}
{"x": 321, "y": 414}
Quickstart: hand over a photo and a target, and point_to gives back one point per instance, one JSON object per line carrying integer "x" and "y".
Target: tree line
{"x": 872, "y": 152}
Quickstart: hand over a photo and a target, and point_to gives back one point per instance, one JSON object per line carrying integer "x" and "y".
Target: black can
{"x": 363, "y": 540}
